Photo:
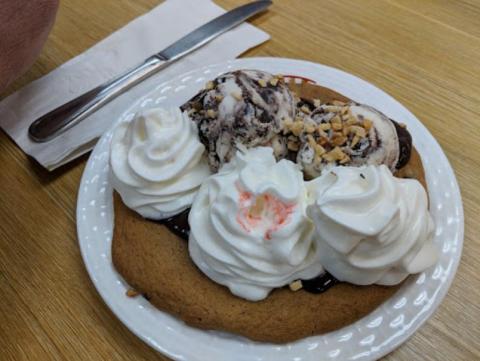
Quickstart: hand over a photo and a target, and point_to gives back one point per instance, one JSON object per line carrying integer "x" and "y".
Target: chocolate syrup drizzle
{"x": 179, "y": 225}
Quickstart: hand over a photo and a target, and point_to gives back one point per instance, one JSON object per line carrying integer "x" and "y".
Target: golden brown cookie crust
{"x": 156, "y": 263}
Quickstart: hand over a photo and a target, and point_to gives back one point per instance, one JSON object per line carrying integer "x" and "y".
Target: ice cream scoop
{"x": 348, "y": 134}
{"x": 245, "y": 107}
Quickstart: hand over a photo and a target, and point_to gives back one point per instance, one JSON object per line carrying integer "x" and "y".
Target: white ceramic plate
{"x": 367, "y": 339}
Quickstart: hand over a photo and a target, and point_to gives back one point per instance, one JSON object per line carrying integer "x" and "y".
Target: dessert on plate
{"x": 296, "y": 206}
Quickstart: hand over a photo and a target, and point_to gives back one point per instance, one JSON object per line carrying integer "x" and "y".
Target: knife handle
{"x": 66, "y": 116}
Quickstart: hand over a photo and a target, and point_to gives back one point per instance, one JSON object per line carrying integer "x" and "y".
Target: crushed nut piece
{"x": 355, "y": 140}
{"x": 316, "y": 103}
{"x": 274, "y": 81}
{"x": 319, "y": 150}
{"x": 209, "y": 85}
{"x": 132, "y": 293}
{"x": 367, "y": 124}
{"x": 293, "y": 146}
{"x": 335, "y": 154}
{"x": 237, "y": 95}
{"x": 296, "y": 285}
{"x": 322, "y": 134}
{"x": 211, "y": 113}
{"x": 256, "y": 210}
{"x": 358, "y": 130}
{"x": 346, "y": 159}
{"x": 218, "y": 98}
{"x": 297, "y": 128}
{"x": 332, "y": 108}
{"x": 310, "y": 128}
{"x": 336, "y": 119}
{"x": 338, "y": 139}
{"x": 325, "y": 126}
{"x": 351, "y": 121}
{"x": 323, "y": 141}
{"x": 337, "y": 126}
{"x": 305, "y": 109}
{"x": 262, "y": 83}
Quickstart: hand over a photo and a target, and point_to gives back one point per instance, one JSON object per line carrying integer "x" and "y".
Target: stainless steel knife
{"x": 66, "y": 116}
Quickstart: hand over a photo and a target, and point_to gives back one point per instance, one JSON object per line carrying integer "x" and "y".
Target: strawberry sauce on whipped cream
{"x": 265, "y": 212}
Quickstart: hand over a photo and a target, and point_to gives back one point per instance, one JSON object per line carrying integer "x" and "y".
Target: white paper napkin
{"x": 118, "y": 52}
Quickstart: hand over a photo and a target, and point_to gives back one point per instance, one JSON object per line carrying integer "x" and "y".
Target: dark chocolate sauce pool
{"x": 319, "y": 284}
{"x": 179, "y": 225}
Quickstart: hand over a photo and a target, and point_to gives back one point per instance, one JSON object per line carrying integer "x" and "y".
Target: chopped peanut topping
{"x": 237, "y": 95}
{"x": 132, "y": 293}
{"x": 274, "y": 81}
{"x": 367, "y": 124}
{"x": 337, "y": 126}
{"x": 358, "y": 130}
{"x": 293, "y": 146}
{"x": 336, "y": 119}
{"x": 209, "y": 85}
{"x": 211, "y": 113}
{"x": 297, "y": 128}
{"x": 332, "y": 108}
{"x": 351, "y": 121}
{"x": 262, "y": 83}
{"x": 339, "y": 139}
{"x": 218, "y": 98}
{"x": 345, "y": 160}
{"x": 325, "y": 126}
{"x": 295, "y": 285}
{"x": 310, "y": 128}
{"x": 305, "y": 109}
{"x": 322, "y": 134}
{"x": 355, "y": 140}
{"x": 335, "y": 154}
{"x": 256, "y": 210}
{"x": 316, "y": 103}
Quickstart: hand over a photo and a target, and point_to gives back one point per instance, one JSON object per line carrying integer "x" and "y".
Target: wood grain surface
{"x": 425, "y": 53}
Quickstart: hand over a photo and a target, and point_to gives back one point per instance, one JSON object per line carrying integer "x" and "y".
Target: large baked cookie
{"x": 156, "y": 263}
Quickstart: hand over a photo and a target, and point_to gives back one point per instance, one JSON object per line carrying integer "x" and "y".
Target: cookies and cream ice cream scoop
{"x": 245, "y": 107}
{"x": 350, "y": 134}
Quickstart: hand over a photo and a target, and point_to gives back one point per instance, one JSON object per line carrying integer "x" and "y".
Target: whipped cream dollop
{"x": 249, "y": 229}
{"x": 370, "y": 226}
{"x": 157, "y": 162}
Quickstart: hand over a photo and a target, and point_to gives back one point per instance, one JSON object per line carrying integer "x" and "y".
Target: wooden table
{"x": 424, "y": 53}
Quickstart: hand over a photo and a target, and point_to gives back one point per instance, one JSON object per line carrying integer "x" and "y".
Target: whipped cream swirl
{"x": 249, "y": 229}
{"x": 157, "y": 164}
{"x": 370, "y": 226}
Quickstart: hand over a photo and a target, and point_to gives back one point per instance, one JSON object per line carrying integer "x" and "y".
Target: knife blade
{"x": 59, "y": 120}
